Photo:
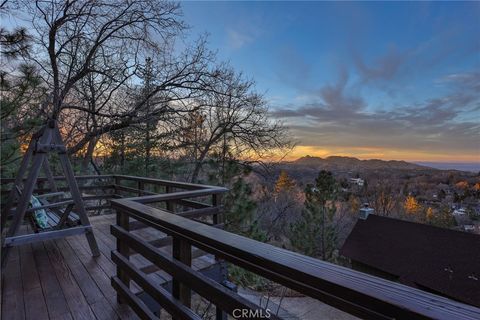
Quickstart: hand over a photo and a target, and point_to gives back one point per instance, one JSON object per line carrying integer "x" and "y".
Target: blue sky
{"x": 385, "y": 80}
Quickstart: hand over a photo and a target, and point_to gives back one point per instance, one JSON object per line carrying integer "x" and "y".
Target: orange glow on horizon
{"x": 362, "y": 153}
{"x": 367, "y": 152}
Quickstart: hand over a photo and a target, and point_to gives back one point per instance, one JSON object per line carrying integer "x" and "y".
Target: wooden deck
{"x": 59, "y": 279}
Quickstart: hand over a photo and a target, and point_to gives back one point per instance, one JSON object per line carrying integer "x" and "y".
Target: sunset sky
{"x": 370, "y": 80}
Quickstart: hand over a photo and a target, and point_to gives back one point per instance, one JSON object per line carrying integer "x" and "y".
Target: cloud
{"x": 385, "y": 67}
{"x": 334, "y": 118}
{"x": 243, "y": 32}
{"x": 237, "y": 39}
{"x": 467, "y": 80}
{"x": 397, "y": 67}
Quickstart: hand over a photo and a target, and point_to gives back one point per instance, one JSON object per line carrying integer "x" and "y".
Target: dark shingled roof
{"x": 442, "y": 260}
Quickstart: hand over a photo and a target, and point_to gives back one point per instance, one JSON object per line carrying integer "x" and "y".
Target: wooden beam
{"x": 17, "y": 181}
{"x": 177, "y": 195}
{"x": 29, "y": 185}
{"x": 75, "y": 192}
{"x": 46, "y": 235}
{"x": 46, "y": 148}
{"x": 160, "y": 182}
{"x": 51, "y": 205}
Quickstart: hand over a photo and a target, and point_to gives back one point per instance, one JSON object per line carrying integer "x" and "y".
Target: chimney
{"x": 365, "y": 211}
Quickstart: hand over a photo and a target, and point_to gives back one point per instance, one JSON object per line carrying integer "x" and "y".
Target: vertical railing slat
{"x": 182, "y": 251}
{"x": 216, "y": 219}
{"x": 123, "y": 222}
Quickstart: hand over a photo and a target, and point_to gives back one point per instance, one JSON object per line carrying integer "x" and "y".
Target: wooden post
{"x": 217, "y": 201}
{"x": 141, "y": 188}
{"x": 216, "y": 219}
{"x": 75, "y": 192}
{"x": 170, "y": 204}
{"x": 29, "y": 185}
{"x": 18, "y": 180}
{"x": 116, "y": 183}
{"x": 122, "y": 248}
{"x": 182, "y": 251}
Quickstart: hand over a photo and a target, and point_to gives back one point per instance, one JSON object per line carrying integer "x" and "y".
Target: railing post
{"x": 218, "y": 218}
{"x": 170, "y": 204}
{"x": 182, "y": 251}
{"x": 116, "y": 182}
{"x": 122, "y": 248}
{"x": 141, "y": 188}
{"x": 217, "y": 201}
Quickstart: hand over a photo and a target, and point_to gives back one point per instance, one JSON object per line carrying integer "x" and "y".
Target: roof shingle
{"x": 442, "y": 260}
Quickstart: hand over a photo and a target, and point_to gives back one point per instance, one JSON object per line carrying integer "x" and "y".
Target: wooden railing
{"x": 107, "y": 187}
{"x": 144, "y": 202}
{"x": 354, "y": 292}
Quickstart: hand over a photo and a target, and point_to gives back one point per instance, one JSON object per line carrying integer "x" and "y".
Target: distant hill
{"x": 349, "y": 163}
{"x": 461, "y": 166}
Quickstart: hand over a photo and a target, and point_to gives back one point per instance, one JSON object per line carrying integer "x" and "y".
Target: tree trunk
{"x": 88, "y": 156}
{"x": 198, "y": 164}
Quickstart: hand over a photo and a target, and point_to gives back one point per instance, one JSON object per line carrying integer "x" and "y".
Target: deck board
{"x": 12, "y": 294}
{"x": 59, "y": 279}
{"x": 76, "y": 302}
{"x": 35, "y": 306}
{"x": 52, "y": 292}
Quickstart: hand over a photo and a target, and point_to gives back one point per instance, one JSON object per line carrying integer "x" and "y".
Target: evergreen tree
{"x": 314, "y": 234}
{"x": 22, "y": 93}
{"x": 442, "y": 218}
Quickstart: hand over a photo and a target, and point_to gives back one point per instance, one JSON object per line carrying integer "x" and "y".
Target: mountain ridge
{"x": 341, "y": 162}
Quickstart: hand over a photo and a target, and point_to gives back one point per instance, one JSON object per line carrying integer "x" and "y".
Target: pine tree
{"x": 442, "y": 218}
{"x": 314, "y": 234}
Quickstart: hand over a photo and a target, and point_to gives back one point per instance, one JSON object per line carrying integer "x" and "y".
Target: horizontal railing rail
{"x": 162, "y": 182}
{"x": 58, "y": 178}
{"x": 354, "y": 292}
{"x": 119, "y": 178}
{"x": 115, "y": 186}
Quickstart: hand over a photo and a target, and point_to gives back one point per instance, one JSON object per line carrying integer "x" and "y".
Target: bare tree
{"x": 383, "y": 197}
{"x": 234, "y": 118}
{"x": 91, "y": 55}
{"x": 72, "y": 36}
{"x": 177, "y": 80}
